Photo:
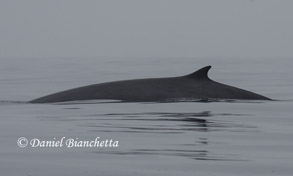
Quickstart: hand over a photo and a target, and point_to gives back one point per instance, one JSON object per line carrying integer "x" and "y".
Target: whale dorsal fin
{"x": 201, "y": 73}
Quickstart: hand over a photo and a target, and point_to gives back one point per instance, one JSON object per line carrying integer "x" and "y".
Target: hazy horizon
{"x": 152, "y": 28}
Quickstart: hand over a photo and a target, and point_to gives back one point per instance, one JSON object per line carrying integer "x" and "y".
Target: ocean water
{"x": 179, "y": 138}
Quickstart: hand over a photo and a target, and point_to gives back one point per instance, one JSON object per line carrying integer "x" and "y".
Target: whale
{"x": 194, "y": 86}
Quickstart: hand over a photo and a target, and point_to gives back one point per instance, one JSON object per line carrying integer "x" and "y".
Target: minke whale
{"x": 194, "y": 86}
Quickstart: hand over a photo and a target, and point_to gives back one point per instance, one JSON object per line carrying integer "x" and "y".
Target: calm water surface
{"x": 183, "y": 138}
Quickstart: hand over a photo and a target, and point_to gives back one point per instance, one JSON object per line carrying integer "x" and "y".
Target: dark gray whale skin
{"x": 193, "y": 86}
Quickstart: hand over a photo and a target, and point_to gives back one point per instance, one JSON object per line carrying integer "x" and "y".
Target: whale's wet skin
{"x": 193, "y": 86}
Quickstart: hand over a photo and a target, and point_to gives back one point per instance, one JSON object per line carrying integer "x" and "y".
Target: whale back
{"x": 196, "y": 85}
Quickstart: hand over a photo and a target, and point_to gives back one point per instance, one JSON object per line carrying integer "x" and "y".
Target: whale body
{"x": 196, "y": 85}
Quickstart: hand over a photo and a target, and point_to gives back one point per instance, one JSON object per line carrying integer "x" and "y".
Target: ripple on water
{"x": 155, "y": 124}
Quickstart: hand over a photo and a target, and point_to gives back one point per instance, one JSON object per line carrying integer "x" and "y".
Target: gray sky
{"x": 146, "y": 28}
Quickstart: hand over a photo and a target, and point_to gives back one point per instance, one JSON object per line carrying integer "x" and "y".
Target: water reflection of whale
{"x": 195, "y": 122}
{"x": 173, "y": 125}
